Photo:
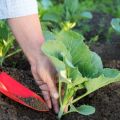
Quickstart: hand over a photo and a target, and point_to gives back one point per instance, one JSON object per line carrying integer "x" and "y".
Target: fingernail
{"x": 55, "y": 95}
{"x": 56, "y": 110}
{"x": 49, "y": 105}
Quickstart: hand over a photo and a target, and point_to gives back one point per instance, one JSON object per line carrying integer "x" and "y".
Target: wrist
{"x": 36, "y": 55}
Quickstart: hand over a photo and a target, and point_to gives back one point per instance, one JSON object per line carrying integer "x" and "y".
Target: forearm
{"x": 28, "y": 33}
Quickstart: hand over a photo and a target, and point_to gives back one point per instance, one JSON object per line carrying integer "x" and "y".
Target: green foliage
{"x": 4, "y": 48}
{"x": 4, "y": 30}
{"x": 46, "y": 3}
{"x": 64, "y": 15}
{"x": 6, "y": 42}
{"x": 116, "y": 24}
{"x": 83, "y": 109}
{"x": 78, "y": 68}
{"x": 49, "y": 35}
{"x": 86, "y": 15}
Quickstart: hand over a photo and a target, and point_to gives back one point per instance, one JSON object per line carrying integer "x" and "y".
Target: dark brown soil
{"x": 18, "y": 61}
{"x": 110, "y": 50}
{"x": 100, "y": 24}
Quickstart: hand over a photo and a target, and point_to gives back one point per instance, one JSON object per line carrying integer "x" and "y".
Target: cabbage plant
{"x": 79, "y": 68}
{"x": 65, "y": 15}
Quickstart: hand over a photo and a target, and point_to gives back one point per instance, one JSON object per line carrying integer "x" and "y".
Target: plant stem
{"x": 60, "y": 99}
{"x": 60, "y": 114}
{"x": 80, "y": 97}
{"x": 1, "y": 61}
{"x": 13, "y": 53}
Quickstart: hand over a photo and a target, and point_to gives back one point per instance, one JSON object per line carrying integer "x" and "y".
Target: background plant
{"x": 64, "y": 15}
{"x": 6, "y": 43}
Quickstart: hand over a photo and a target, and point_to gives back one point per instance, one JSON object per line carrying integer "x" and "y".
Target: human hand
{"x": 27, "y": 31}
{"x": 45, "y": 76}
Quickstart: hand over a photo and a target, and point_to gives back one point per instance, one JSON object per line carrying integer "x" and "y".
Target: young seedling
{"x": 79, "y": 68}
{"x": 6, "y": 42}
{"x": 5, "y": 46}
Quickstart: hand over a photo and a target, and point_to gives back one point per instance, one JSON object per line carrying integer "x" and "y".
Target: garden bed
{"x": 106, "y": 101}
{"x": 101, "y": 30}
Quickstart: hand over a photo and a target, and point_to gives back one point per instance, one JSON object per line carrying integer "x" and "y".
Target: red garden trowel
{"x": 19, "y": 93}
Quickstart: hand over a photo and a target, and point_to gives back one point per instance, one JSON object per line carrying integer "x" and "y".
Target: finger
{"x": 52, "y": 88}
{"x": 46, "y": 77}
{"x": 35, "y": 75}
{"x": 55, "y": 105}
{"x": 46, "y": 96}
{"x": 46, "y": 93}
{"x": 55, "y": 77}
{"x": 56, "y": 81}
{"x": 44, "y": 87}
{"x": 37, "y": 80}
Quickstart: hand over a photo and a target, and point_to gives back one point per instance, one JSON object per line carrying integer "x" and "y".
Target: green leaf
{"x": 88, "y": 63}
{"x": 79, "y": 80}
{"x": 49, "y": 35}
{"x": 83, "y": 109}
{"x": 116, "y": 24}
{"x": 53, "y": 17}
{"x": 65, "y": 36}
{"x": 67, "y": 61}
{"x": 79, "y": 55}
{"x": 105, "y": 79}
{"x": 54, "y": 49}
{"x": 59, "y": 65}
{"x": 86, "y": 110}
{"x": 74, "y": 73}
{"x": 95, "y": 67}
{"x": 74, "y": 43}
{"x": 86, "y": 15}
{"x": 53, "y": 14}
{"x": 71, "y": 6}
{"x": 110, "y": 73}
{"x": 46, "y": 3}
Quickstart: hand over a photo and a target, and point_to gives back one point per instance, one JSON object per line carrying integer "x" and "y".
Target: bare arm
{"x": 28, "y": 33}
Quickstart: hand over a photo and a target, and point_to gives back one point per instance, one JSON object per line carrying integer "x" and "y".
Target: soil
{"x": 99, "y": 24}
{"x": 18, "y": 61}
